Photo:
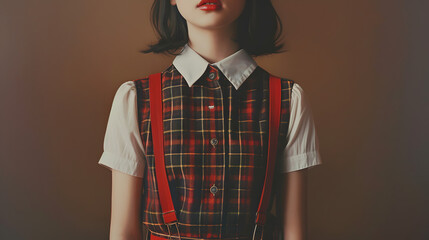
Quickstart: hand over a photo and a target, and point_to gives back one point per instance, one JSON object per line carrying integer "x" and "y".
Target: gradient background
{"x": 363, "y": 64}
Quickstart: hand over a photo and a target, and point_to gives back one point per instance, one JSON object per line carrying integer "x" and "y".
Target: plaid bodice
{"x": 215, "y": 147}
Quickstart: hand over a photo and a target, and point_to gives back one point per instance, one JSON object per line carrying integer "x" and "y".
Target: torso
{"x": 223, "y": 146}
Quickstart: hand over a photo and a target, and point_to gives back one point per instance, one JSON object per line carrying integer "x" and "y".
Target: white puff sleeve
{"x": 302, "y": 149}
{"x": 123, "y": 149}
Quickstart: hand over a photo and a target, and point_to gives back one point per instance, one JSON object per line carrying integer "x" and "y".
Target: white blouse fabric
{"x": 123, "y": 148}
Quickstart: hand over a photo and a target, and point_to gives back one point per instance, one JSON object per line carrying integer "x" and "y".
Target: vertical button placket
{"x": 215, "y": 152}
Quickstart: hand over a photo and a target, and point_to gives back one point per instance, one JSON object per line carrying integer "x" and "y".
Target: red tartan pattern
{"x": 236, "y": 164}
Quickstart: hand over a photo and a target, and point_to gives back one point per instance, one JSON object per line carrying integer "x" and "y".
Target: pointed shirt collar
{"x": 237, "y": 67}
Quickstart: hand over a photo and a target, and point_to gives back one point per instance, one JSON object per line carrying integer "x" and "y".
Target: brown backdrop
{"x": 364, "y": 66}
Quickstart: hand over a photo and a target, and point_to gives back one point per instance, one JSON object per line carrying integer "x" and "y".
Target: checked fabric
{"x": 215, "y": 151}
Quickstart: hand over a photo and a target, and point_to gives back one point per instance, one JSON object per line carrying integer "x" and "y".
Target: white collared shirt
{"x": 123, "y": 148}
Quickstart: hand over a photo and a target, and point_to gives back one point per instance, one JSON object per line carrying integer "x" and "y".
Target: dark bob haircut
{"x": 259, "y": 28}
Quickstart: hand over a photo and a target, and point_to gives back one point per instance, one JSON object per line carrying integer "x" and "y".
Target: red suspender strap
{"x": 156, "y": 118}
{"x": 274, "y": 123}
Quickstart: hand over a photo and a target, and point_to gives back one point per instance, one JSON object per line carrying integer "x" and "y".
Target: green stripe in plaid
{"x": 238, "y": 119}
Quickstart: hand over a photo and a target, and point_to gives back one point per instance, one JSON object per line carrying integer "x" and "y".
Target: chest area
{"x": 211, "y": 118}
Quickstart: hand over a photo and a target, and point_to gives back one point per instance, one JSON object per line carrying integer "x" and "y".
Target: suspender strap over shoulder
{"x": 155, "y": 97}
{"x": 274, "y": 123}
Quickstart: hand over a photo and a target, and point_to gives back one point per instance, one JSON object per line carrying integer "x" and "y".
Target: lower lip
{"x": 209, "y": 7}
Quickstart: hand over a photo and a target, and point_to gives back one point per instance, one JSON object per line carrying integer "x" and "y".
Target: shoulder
{"x": 299, "y": 96}
{"x": 297, "y": 90}
{"x": 127, "y": 92}
{"x": 293, "y": 91}
{"x": 126, "y": 86}
{"x": 167, "y": 75}
{"x": 125, "y": 89}
{"x": 294, "y": 88}
{"x": 286, "y": 83}
{"x": 141, "y": 83}
{"x": 125, "y": 96}
{"x": 144, "y": 80}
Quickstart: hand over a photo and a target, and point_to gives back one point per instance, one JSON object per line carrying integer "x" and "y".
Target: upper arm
{"x": 124, "y": 155}
{"x": 302, "y": 148}
{"x": 125, "y": 213}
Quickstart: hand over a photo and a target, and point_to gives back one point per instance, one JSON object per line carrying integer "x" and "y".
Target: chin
{"x": 213, "y": 23}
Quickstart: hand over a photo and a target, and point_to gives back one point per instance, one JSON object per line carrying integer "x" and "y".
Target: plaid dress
{"x": 215, "y": 146}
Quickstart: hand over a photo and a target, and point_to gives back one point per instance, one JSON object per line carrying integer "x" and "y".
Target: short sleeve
{"x": 302, "y": 148}
{"x": 123, "y": 149}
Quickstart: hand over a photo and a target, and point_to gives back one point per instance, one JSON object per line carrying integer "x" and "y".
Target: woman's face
{"x": 227, "y": 13}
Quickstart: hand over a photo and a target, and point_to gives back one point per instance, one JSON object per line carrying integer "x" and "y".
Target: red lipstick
{"x": 208, "y": 5}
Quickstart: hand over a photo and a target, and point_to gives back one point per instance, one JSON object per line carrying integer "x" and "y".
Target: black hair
{"x": 259, "y": 28}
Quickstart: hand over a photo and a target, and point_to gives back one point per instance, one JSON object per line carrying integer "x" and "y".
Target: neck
{"x": 212, "y": 44}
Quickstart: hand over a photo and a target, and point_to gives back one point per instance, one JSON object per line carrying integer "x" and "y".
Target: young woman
{"x": 215, "y": 109}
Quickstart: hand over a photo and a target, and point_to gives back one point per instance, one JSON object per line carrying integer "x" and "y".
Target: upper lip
{"x": 208, "y": 1}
